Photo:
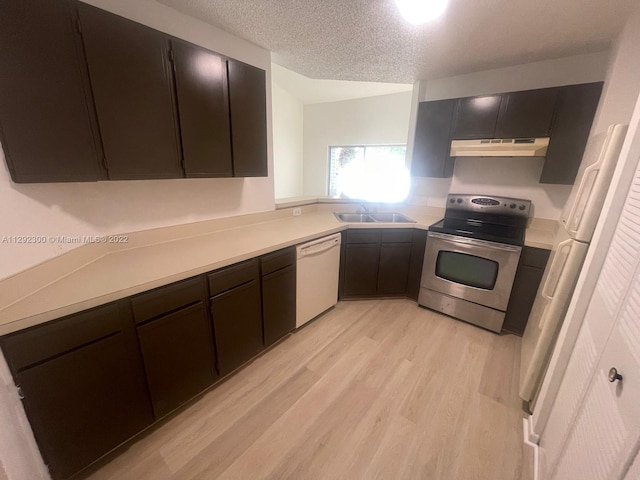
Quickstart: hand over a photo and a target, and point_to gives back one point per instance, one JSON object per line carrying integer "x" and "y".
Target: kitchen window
{"x": 369, "y": 172}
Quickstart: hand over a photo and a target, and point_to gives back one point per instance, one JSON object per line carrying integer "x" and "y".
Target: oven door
{"x": 475, "y": 270}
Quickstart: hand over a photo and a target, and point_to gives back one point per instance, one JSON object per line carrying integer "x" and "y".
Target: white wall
{"x": 110, "y": 207}
{"x": 507, "y": 176}
{"x": 287, "y": 143}
{"x": 382, "y": 119}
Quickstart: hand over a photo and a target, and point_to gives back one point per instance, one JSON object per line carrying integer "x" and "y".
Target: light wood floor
{"x": 378, "y": 389}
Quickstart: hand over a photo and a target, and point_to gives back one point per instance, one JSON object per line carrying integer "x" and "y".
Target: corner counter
{"x": 93, "y": 275}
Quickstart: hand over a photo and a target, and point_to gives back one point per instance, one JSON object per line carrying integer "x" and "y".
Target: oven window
{"x": 467, "y": 269}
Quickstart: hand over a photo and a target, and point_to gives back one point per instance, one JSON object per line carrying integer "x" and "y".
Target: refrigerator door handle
{"x": 573, "y": 223}
{"x": 555, "y": 264}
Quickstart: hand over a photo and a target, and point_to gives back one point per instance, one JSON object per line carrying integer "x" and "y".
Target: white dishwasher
{"x": 317, "y": 277}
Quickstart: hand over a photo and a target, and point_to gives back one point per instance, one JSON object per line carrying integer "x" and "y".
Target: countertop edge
{"x": 16, "y": 321}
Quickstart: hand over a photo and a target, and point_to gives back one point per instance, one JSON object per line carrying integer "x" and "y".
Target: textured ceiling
{"x": 367, "y": 40}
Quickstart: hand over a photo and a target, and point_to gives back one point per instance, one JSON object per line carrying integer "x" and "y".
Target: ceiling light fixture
{"x": 421, "y": 11}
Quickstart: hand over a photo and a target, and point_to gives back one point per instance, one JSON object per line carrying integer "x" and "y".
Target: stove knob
{"x": 521, "y": 207}
{"x": 452, "y": 200}
{"x": 459, "y": 200}
{"x": 513, "y": 205}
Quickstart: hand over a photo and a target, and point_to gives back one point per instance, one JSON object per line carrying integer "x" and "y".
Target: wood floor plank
{"x": 373, "y": 389}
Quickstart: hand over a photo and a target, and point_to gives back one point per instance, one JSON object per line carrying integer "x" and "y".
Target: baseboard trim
{"x": 531, "y": 440}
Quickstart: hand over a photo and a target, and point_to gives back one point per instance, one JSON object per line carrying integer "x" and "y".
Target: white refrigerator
{"x": 567, "y": 256}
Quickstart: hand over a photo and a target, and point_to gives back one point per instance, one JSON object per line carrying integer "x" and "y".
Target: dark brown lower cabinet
{"x": 83, "y": 385}
{"x": 178, "y": 357}
{"x": 418, "y": 246}
{"x": 376, "y": 262}
{"x": 237, "y": 314}
{"x": 278, "y": 294}
{"x": 360, "y": 267}
{"x": 525, "y": 287}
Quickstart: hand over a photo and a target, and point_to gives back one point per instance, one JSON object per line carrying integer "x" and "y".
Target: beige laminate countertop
{"x": 127, "y": 271}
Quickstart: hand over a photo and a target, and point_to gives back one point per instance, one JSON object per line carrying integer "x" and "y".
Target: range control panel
{"x": 489, "y": 204}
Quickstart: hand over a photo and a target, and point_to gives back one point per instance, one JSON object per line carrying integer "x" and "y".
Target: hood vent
{"x": 497, "y": 147}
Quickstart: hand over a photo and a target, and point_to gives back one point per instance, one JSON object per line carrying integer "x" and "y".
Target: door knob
{"x": 614, "y": 375}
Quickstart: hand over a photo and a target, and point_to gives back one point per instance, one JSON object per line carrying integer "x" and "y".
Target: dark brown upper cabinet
{"x": 132, "y": 83}
{"x": 248, "y": 104}
{"x": 47, "y": 122}
{"x": 433, "y": 139}
{"x": 87, "y": 95}
{"x": 564, "y": 114}
{"x": 576, "y": 107}
{"x": 526, "y": 114}
{"x": 203, "y": 105}
{"x": 476, "y": 117}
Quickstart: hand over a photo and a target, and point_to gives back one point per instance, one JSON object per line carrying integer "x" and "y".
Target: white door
{"x": 594, "y": 425}
{"x": 603, "y": 438}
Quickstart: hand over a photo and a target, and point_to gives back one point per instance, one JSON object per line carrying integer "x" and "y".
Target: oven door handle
{"x": 474, "y": 242}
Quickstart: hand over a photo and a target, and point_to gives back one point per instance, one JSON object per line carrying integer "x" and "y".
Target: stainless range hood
{"x": 497, "y": 147}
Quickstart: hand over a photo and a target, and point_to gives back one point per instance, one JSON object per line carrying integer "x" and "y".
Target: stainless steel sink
{"x": 389, "y": 217}
{"x": 354, "y": 217}
{"x": 383, "y": 217}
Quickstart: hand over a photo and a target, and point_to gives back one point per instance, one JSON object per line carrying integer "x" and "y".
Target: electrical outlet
{"x": 297, "y": 211}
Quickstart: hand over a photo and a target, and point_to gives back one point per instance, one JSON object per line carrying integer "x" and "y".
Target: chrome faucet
{"x": 367, "y": 209}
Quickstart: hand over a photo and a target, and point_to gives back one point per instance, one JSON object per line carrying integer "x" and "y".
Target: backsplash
{"x": 504, "y": 176}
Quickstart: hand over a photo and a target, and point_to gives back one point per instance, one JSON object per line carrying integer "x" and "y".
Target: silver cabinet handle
{"x": 614, "y": 375}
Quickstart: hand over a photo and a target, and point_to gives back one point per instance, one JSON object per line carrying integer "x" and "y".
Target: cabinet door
{"x": 248, "y": 105}
{"x": 433, "y": 140}
{"x": 476, "y": 117}
{"x": 133, "y": 88}
{"x": 523, "y": 294}
{"x": 417, "y": 260}
{"x": 605, "y": 430}
{"x": 393, "y": 272}
{"x": 527, "y": 114}
{"x": 360, "y": 266}
{"x": 81, "y": 400}
{"x": 577, "y": 105}
{"x": 203, "y": 105}
{"x": 178, "y": 357}
{"x": 279, "y": 304}
{"x": 525, "y": 287}
{"x": 47, "y": 120}
{"x": 237, "y": 324}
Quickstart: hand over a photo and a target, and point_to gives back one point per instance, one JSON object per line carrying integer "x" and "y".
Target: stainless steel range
{"x": 472, "y": 256}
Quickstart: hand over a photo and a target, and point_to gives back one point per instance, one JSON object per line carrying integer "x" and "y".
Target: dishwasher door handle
{"x": 318, "y": 248}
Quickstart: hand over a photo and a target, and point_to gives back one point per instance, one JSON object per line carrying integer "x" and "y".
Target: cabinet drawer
{"x": 39, "y": 343}
{"x": 278, "y": 260}
{"x": 230, "y": 277}
{"x": 166, "y": 299}
{"x": 397, "y": 235}
{"x": 363, "y": 236}
{"x": 534, "y": 257}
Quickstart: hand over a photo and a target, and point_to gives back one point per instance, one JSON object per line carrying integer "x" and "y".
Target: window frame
{"x": 365, "y": 146}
